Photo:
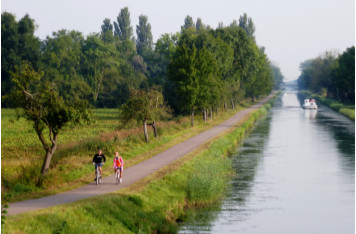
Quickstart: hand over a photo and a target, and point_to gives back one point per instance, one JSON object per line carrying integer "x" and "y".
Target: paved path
{"x": 134, "y": 173}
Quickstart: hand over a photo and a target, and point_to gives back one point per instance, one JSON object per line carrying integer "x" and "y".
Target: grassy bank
{"x": 344, "y": 109}
{"x": 195, "y": 180}
{"x": 22, "y": 153}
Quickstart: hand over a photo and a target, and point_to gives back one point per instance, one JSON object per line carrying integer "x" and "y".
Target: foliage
{"x": 331, "y": 75}
{"x": 144, "y": 41}
{"x": 18, "y": 44}
{"x": 123, "y": 27}
{"x": 102, "y": 67}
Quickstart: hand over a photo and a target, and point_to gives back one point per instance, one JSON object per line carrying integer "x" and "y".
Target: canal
{"x": 295, "y": 173}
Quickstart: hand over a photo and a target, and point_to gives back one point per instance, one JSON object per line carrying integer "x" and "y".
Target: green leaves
{"x": 145, "y": 105}
{"x": 331, "y": 75}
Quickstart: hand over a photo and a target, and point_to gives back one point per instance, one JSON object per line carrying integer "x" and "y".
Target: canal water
{"x": 295, "y": 173}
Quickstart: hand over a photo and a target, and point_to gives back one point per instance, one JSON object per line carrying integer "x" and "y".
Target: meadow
{"x": 22, "y": 154}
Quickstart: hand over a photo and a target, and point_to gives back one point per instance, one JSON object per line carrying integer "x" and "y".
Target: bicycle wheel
{"x": 96, "y": 177}
{"x": 117, "y": 176}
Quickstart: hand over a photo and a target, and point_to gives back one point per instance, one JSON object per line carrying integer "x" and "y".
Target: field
{"x": 22, "y": 154}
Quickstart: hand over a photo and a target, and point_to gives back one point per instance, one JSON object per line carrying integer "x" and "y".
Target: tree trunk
{"x": 154, "y": 128}
{"x": 232, "y": 104}
{"x": 145, "y": 130}
{"x": 204, "y": 115}
{"x": 192, "y": 120}
{"x": 47, "y": 160}
{"x": 211, "y": 114}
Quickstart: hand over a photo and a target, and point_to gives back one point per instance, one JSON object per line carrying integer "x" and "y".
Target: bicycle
{"x": 117, "y": 176}
{"x": 97, "y": 172}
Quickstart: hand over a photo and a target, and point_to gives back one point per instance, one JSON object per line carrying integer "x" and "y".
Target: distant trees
{"x": 331, "y": 75}
{"x": 205, "y": 67}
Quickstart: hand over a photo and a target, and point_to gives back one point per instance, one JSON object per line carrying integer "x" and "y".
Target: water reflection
{"x": 295, "y": 174}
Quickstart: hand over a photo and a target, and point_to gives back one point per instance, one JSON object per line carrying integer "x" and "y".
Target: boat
{"x": 310, "y": 103}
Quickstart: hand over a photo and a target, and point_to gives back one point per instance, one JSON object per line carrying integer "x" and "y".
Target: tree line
{"x": 56, "y": 81}
{"x": 330, "y": 74}
{"x": 103, "y": 67}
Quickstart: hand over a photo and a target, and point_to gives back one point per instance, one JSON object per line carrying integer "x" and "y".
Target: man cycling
{"x": 98, "y": 160}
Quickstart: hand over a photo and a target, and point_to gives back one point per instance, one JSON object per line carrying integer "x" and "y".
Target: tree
{"x": 62, "y": 55}
{"x": 99, "y": 57}
{"x": 107, "y": 31}
{"x": 247, "y": 24}
{"x": 199, "y": 24}
{"x": 144, "y": 42}
{"x": 42, "y": 105}
{"x": 344, "y": 76}
{"x": 188, "y": 23}
{"x": 278, "y": 77}
{"x": 18, "y": 44}
{"x": 9, "y": 56}
{"x": 123, "y": 27}
{"x": 182, "y": 71}
{"x": 145, "y": 106}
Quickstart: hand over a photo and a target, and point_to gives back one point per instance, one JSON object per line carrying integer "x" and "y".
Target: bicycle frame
{"x": 98, "y": 179}
{"x": 117, "y": 176}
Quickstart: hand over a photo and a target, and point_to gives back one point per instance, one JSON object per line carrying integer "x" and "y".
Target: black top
{"x": 99, "y": 158}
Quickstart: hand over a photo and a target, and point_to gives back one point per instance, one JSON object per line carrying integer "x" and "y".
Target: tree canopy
{"x": 219, "y": 65}
{"x": 330, "y": 74}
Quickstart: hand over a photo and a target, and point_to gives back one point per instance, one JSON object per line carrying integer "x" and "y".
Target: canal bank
{"x": 156, "y": 207}
{"x": 295, "y": 174}
{"x": 346, "y": 110}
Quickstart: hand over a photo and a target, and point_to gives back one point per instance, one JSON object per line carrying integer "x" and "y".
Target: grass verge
{"x": 198, "y": 179}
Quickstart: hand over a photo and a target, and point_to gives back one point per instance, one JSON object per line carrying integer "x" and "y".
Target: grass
{"x": 22, "y": 153}
{"x": 197, "y": 179}
{"x": 344, "y": 109}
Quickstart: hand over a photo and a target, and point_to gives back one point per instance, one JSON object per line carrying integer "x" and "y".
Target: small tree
{"x": 147, "y": 106}
{"x": 41, "y": 104}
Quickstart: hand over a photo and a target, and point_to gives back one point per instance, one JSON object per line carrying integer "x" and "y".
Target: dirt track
{"x": 133, "y": 173}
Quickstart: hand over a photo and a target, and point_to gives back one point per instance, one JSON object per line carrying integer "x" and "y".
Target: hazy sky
{"x": 290, "y": 30}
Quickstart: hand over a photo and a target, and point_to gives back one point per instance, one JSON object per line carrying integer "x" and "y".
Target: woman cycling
{"x": 118, "y": 164}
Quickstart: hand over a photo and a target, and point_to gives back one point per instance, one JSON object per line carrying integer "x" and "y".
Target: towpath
{"x": 134, "y": 173}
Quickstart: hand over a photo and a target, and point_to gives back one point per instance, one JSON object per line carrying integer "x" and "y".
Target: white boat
{"x": 310, "y": 103}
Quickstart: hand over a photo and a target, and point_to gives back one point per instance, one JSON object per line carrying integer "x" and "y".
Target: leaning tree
{"x": 42, "y": 105}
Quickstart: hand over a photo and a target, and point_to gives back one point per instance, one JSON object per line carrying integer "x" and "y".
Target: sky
{"x": 292, "y": 31}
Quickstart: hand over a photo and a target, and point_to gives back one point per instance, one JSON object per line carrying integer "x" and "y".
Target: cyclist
{"x": 118, "y": 164}
{"x": 98, "y": 160}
